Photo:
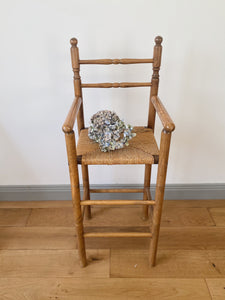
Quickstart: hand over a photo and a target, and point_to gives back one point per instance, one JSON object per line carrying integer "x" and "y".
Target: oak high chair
{"x": 142, "y": 149}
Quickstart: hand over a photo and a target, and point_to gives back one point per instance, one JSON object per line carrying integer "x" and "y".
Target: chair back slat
{"x": 78, "y": 85}
{"x": 123, "y": 61}
{"x": 115, "y": 84}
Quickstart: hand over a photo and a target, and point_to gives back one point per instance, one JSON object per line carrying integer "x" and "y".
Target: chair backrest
{"x": 78, "y": 85}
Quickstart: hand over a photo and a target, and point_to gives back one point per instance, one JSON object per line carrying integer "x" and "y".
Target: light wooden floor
{"x": 38, "y": 256}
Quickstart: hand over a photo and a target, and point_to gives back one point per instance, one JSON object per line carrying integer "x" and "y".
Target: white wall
{"x": 37, "y": 90}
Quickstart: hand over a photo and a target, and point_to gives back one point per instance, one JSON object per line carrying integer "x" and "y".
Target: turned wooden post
{"x": 75, "y": 189}
{"x": 159, "y": 193}
{"x": 147, "y": 180}
{"x": 157, "y": 53}
{"x": 155, "y": 80}
{"x": 77, "y": 81}
{"x": 86, "y": 193}
{"x": 80, "y": 116}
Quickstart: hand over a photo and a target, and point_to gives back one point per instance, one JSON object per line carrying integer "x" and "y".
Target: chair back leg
{"x": 147, "y": 180}
{"x": 86, "y": 189}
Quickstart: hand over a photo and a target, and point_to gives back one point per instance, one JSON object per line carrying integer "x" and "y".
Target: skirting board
{"x": 62, "y": 192}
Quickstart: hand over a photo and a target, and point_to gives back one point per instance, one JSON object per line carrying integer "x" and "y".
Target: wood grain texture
{"x": 37, "y": 238}
{"x": 72, "y": 115}
{"x": 115, "y": 84}
{"x": 159, "y": 194}
{"x": 120, "y": 190}
{"x": 117, "y": 234}
{"x": 172, "y": 263}
{"x": 218, "y": 215}
{"x": 216, "y": 288}
{"x": 75, "y": 190}
{"x": 142, "y": 149}
{"x": 62, "y": 216}
{"x": 165, "y": 118}
{"x": 147, "y": 194}
{"x": 171, "y": 238}
{"x": 192, "y": 238}
{"x": 117, "y": 242}
{"x": 116, "y": 61}
{"x": 77, "y": 80}
{"x": 213, "y": 203}
{"x": 14, "y": 216}
{"x": 116, "y": 216}
{"x": 39, "y": 263}
{"x": 36, "y": 204}
{"x": 120, "y": 216}
{"x": 86, "y": 189}
{"x": 52, "y": 263}
{"x": 157, "y": 54}
{"x": 117, "y": 202}
{"x": 103, "y": 289}
{"x": 188, "y": 216}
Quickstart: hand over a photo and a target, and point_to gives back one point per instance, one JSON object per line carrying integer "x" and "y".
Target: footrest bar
{"x": 118, "y": 234}
{"x": 117, "y": 202}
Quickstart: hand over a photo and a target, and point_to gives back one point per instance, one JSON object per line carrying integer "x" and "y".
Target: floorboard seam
{"x": 28, "y": 217}
{"x": 208, "y": 288}
{"x": 211, "y": 216}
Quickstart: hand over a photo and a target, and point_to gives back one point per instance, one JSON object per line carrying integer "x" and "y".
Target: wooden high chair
{"x": 142, "y": 149}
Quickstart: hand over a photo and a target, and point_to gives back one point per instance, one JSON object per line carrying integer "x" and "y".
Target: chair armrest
{"x": 167, "y": 122}
{"x": 72, "y": 115}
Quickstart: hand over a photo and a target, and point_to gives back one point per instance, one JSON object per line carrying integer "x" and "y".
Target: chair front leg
{"x": 159, "y": 194}
{"x": 86, "y": 193}
{"x": 75, "y": 189}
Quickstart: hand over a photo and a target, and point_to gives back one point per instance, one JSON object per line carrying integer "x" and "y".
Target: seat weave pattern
{"x": 142, "y": 149}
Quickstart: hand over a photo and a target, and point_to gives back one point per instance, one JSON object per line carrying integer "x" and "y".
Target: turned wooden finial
{"x": 73, "y": 42}
{"x": 157, "y": 53}
{"x": 158, "y": 40}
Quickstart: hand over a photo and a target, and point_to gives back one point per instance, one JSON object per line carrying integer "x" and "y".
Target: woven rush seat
{"x": 142, "y": 149}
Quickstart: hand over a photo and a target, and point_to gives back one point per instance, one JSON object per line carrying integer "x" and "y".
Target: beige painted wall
{"x": 36, "y": 82}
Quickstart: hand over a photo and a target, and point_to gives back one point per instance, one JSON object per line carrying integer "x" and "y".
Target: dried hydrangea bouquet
{"x": 109, "y": 131}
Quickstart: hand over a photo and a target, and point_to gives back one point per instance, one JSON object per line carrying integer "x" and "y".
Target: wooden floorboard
{"x": 53, "y": 263}
{"x": 37, "y": 238}
{"x": 35, "y": 204}
{"x": 218, "y": 215}
{"x": 170, "y": 263}
{"x": 216, "y": 288}
{"x": 103, "y": 289}
{"x": 68, "y": 203}
{"x": 14, "y": 216}
{"x": 120, "y": 216}
{"x": 186, "y": 216}
{"x": 211, "y": 238}
{"x": 62, "y": 216}
{"x": 171, "y": 238}
{"x": 194, "y": 203}
{"x": 39, "y": 260}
